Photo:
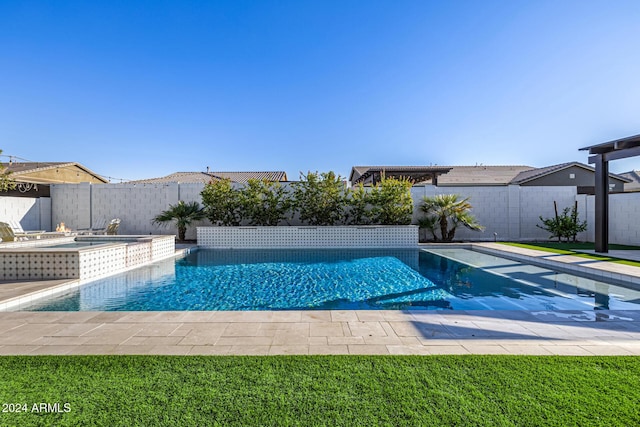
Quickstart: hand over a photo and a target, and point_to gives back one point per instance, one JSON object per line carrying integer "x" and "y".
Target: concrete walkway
{"x": 605, "y": 332}
{"x": 321, "y": 332}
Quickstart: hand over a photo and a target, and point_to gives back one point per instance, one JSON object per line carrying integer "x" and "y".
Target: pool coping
{"x": 610, "y": 272}
{"x": 605, "y": 332}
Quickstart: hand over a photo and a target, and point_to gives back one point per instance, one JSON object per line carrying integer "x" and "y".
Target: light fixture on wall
{"x": 23, "y": 187}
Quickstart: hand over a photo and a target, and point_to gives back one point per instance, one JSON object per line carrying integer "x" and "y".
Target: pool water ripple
{"x": 341, "y": 279}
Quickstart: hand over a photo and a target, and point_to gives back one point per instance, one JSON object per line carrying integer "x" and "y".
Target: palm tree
{"x": 183, "y": 214}
{"x": 445, "y": 209}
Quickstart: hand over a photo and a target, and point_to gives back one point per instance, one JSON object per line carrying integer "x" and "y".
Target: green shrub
{"x": 6, "y": 182}
{"x": 319, "y": 198}
{"x": 222, "y": 203}
{"x": 265, "y": 203}
{"x": 565, "y": 225}
{"x": 391, "y": 202}
{"x": 358, "y": 206}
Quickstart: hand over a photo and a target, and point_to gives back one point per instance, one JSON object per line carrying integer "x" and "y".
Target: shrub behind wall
{"x": 317, "y": 199}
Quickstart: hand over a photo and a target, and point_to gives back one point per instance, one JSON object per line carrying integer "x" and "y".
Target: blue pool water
{"x": 341, "y": 279}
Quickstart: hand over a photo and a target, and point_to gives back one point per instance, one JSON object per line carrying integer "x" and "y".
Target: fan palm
{"x": 183, "y": 214}
{"x": 445, "y": 209}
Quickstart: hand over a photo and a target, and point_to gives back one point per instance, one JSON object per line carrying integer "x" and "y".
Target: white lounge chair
{"x": 8, "y": 235}
{"x": 17, "y": 228}
{"x": 100, "y": 226}
{"x": 112, "y": 228}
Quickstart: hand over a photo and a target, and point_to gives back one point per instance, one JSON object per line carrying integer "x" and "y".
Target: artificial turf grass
{"x": 324, "y": 390}
{"x": 566, "y": 249}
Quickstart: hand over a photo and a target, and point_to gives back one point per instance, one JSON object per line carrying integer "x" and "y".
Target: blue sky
{"x": 143, "y": 89}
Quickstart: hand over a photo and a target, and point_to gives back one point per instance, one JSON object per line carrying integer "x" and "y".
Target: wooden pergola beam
{"x": 601, "y": 154}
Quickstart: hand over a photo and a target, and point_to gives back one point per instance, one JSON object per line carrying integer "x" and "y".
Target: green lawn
{"x": 567, "y": 249}
{"x": 324, "y": 390}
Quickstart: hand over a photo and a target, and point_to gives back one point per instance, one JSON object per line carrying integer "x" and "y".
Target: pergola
{"x": 601, "y": 154}
{"x": 414, "y": 173}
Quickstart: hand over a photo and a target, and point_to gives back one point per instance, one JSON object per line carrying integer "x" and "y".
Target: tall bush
{"x": 6, "y": 182}
{"x": 222, "y": 203}
{"x": 319, "y": 198}
{"x": 358, "y": 206}
{"x": 391, "y": 202}
{"x": 264, "y": 202}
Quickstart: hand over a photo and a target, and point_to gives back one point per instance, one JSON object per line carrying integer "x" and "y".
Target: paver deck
{"x": 322, "y": 332}
{"x": 605, "y": 332}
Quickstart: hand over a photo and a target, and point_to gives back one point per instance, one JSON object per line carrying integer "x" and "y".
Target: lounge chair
{"x": 8, "y": 235}
{"x": 17, "y": 228}
{"x": 100, "y": 226}
{"x": 112, "y": 228}
{"x": 108, "y": 229}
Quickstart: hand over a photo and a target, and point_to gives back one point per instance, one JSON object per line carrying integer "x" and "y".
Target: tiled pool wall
{"x": 121, "y": 285}
{"x": 117, "y": 254}
{"x": 409, "y": 256}
{"x": 379, "y": 236}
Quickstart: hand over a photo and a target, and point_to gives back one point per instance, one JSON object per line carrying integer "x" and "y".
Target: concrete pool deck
{"x": 602, "y": 332}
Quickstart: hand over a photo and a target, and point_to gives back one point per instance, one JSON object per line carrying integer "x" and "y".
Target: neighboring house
{"x": 565, "y": 174}
{"x": 634, "y": 180}
{"x": 481, "y": 175}
{"x": 206, "y": 177}
{"x": 33, "y": 178}
{"x": 568, "y": 174}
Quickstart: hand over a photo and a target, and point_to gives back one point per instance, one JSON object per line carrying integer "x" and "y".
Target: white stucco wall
{"x": 31, "y": 213}
{"x": 624, "y": 214}
{"x": 71, "y": 204}
{"x": 510, "y": 211}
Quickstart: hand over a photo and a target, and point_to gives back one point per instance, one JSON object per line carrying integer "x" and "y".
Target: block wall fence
{"x": 31, "y": 213}
{"x": 510, "y": 211}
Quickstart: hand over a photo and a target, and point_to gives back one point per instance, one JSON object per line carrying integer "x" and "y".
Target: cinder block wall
{"x": 71, "y": 204}
{"x": 135, "y": 205}
{"x": 510, "y": 211}
{"x": 31, "y": 213}
{"x": 624, "y": 226}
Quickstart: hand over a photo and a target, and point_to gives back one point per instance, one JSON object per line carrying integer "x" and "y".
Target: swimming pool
{"x": 458, "y": 279}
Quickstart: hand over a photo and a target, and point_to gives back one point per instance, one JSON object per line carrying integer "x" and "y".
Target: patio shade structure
{"x": 601, "y": 154}
{"x": 414, "y": 173}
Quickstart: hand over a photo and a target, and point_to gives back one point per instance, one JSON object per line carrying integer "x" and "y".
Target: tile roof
{"x": 206, "y": 177}
{"x": 481, "y": 175}
{"x": 540, "y": 172}
{"x": 484, "y": 175}
{"x": 243, "y": 177}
